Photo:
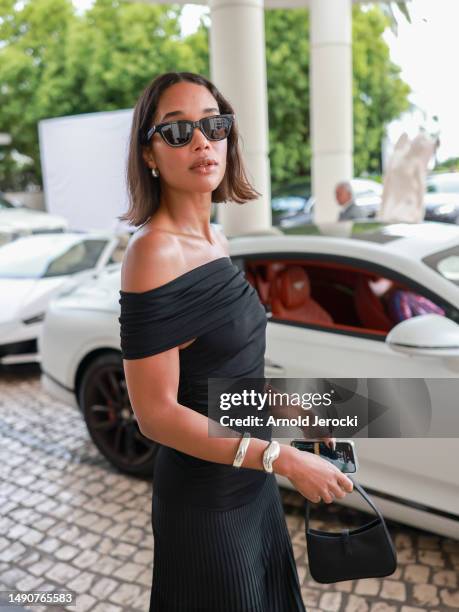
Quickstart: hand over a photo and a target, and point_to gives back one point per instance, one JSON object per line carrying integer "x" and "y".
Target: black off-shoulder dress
{"x": 221, "y": 542}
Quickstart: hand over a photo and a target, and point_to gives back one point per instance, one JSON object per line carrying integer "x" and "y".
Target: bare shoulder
{"x": 222, "y": 238}
{"x": 151, "y": 260}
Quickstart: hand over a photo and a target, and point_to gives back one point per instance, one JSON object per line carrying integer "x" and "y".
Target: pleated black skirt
{"x": 236, "y": 560}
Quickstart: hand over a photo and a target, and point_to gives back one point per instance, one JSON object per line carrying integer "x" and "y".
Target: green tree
{"x": 448, "y": 165}
{"x": 31, "y": 43}
{"x": 388, "y": 9}
{"x": 55, "y": 63}
{"x": 379, "y": 94}
{"x": 287, "y": 60}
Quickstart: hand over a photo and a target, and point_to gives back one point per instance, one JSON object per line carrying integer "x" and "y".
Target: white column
{"x": 238, "y": 69}
{"x": 331, "y": 101}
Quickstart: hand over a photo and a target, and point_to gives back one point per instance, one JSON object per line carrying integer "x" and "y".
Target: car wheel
{"x": 111, "y": 423}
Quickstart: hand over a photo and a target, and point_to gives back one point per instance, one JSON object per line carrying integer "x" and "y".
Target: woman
{"x": 187, "y": 313}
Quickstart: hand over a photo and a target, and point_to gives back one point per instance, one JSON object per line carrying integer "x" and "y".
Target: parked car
{"x": 17, "y": 220}
{"x": 293, "y": 210}
{"x": 33, "y": 269}
{"x": 443, "y": 182}
{"x": 290, "y": 198}
{"x": 414, "y": 480}
{"x": 442, "y": 207}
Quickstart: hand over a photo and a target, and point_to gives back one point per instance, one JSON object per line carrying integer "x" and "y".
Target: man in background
{"x": 345, "y": 198}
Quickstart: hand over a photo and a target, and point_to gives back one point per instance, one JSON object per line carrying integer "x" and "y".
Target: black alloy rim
{"x": 111, "y": 420}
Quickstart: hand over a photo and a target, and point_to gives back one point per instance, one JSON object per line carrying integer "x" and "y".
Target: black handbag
{"x": 364, "y": 552}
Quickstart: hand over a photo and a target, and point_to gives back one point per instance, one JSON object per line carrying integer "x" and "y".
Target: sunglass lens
{"x": 177, "y": 133}
{"x": 216, "y": 128}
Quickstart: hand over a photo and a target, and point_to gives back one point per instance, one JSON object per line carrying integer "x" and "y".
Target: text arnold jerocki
{"x": 298, "y": 421}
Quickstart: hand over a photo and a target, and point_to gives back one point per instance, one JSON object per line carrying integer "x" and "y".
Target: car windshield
{"x": 445, "y": 263}
{"x": 45, "y": 256}
{"x": 292, "y": 203}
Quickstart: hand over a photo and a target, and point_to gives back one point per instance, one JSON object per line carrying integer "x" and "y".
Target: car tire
{"x": 111, "y": 423}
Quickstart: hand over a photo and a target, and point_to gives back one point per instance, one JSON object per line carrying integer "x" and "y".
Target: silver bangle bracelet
{"x": 270, "y": 454}
{"x": 242, "y": 449}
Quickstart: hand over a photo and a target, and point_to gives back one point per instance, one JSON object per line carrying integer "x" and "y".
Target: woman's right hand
{"x": 317, "y": 479}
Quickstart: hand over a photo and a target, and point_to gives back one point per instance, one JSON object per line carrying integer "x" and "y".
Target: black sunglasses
{"x": 179, "y": 133}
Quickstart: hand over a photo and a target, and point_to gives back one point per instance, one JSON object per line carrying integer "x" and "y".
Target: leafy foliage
{"x": 388, "y": 9}
{"x": 287, "y": 59}
{"x": 449, "y": 165}
{"x": 54, "y": 62}
{"x": 379, "y": 94}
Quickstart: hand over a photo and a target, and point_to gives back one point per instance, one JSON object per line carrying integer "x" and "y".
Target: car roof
{"x": 69, "y": 237}
{"x": 437, "y": 197}
{"x": 407, "y": 239}
{"x": 443, "y": 176}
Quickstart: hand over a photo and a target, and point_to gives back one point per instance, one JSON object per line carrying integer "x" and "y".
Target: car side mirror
{"x": 430, "y": 335}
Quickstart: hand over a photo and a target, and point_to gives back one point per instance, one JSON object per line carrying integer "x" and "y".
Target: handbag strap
{"x": 357, "y": 487}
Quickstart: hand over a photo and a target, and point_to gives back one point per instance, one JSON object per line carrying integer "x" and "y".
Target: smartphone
{"x": 343, "y": 456}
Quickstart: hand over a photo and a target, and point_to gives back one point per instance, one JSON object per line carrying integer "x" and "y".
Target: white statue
{"x": 405, "y": 179}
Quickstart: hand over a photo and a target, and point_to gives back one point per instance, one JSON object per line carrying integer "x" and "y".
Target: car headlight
{"x": 446, "y": 209}
{"x": 36, "y": 319}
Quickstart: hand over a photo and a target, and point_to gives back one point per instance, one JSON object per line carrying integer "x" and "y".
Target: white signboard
{"x": 83, "y": 159}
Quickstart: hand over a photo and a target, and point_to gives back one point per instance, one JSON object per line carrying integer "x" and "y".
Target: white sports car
{"x": 33, "y": 269}
{"x": 327, "y": 317}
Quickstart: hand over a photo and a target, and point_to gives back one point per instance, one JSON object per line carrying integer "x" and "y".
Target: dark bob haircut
{"x": 144, "y": 190}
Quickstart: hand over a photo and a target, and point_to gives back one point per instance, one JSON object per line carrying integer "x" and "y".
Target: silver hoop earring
{"x": 155, "y": 172}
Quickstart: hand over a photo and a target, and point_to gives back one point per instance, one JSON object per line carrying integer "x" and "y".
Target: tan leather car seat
{"x": 291, "y": 298}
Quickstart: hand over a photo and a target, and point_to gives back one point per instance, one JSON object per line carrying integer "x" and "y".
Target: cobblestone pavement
{"x": 68, "y": 520}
